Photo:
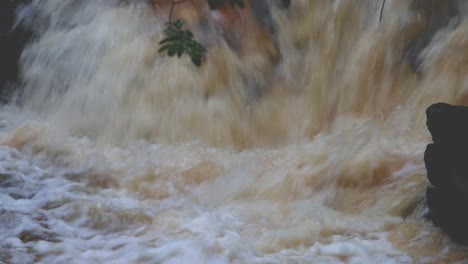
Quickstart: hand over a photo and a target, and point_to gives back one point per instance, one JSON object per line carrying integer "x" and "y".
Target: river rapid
{"x": 304, "y": 147}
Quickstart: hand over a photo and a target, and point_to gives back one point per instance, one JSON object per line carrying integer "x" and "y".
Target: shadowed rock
{"x": 434, "y": 16}
{"x": 447, "y": 169}
{"x": 448, "y": 124}
{"x": 12, "y": 41}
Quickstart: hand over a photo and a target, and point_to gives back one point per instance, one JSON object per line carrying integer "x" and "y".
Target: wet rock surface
{"x": 447, "y": 169}
{"x": 13, "y": 39}
{"x": 434, "y": 15}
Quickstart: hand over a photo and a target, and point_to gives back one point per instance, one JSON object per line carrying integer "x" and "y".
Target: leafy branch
{"x": 179, "y": 41}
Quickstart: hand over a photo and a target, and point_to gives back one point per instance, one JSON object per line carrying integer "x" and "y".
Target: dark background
{"x": 12, "y": 42}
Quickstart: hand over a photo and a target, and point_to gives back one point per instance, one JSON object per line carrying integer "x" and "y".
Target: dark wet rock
{"x": 284, "y": 3}
{"x": 448, "y": 125}
{"x": 13, "y": 39}
{"x": 447, "y": 169}
{"x": 434, "y": 16}
{"x": 261, "y": 11}
{"x": 215, "y": 4}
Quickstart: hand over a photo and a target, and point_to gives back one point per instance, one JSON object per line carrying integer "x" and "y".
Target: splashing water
{"x": 302, "y": 146}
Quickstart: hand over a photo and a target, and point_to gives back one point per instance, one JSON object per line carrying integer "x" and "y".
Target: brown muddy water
{"x": 302, "y": 146}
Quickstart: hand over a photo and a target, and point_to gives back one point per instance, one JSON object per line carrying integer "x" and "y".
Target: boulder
{"x": 447, "y": 169}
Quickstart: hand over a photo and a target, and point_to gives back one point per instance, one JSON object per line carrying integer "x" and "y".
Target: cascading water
{"x": 302, "y": 148}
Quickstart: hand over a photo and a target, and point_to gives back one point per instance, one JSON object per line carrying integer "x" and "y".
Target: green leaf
{"x": 180, "y": 50}
{"x": 169, "y": 39}
{"x": 179, "y": 23}
{"x": 164, "y": 48}
{"x": 170, "y": 31}
{"x": 172, "y": 50}
{"x": 187, "y": 34}
{"x": 179, "y": 41}
{"x": 196, "y": 60}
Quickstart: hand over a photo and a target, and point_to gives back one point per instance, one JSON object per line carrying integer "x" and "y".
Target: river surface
{"x": 300, "y": 146}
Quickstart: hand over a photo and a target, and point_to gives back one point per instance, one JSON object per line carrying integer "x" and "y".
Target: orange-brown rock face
{"x": 247, "y": 30}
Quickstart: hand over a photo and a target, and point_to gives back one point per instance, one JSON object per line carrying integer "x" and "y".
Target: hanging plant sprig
{"x": 179, "y": 41}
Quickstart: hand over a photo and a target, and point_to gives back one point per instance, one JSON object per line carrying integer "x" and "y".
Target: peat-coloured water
{"x": 301, "y": 143}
